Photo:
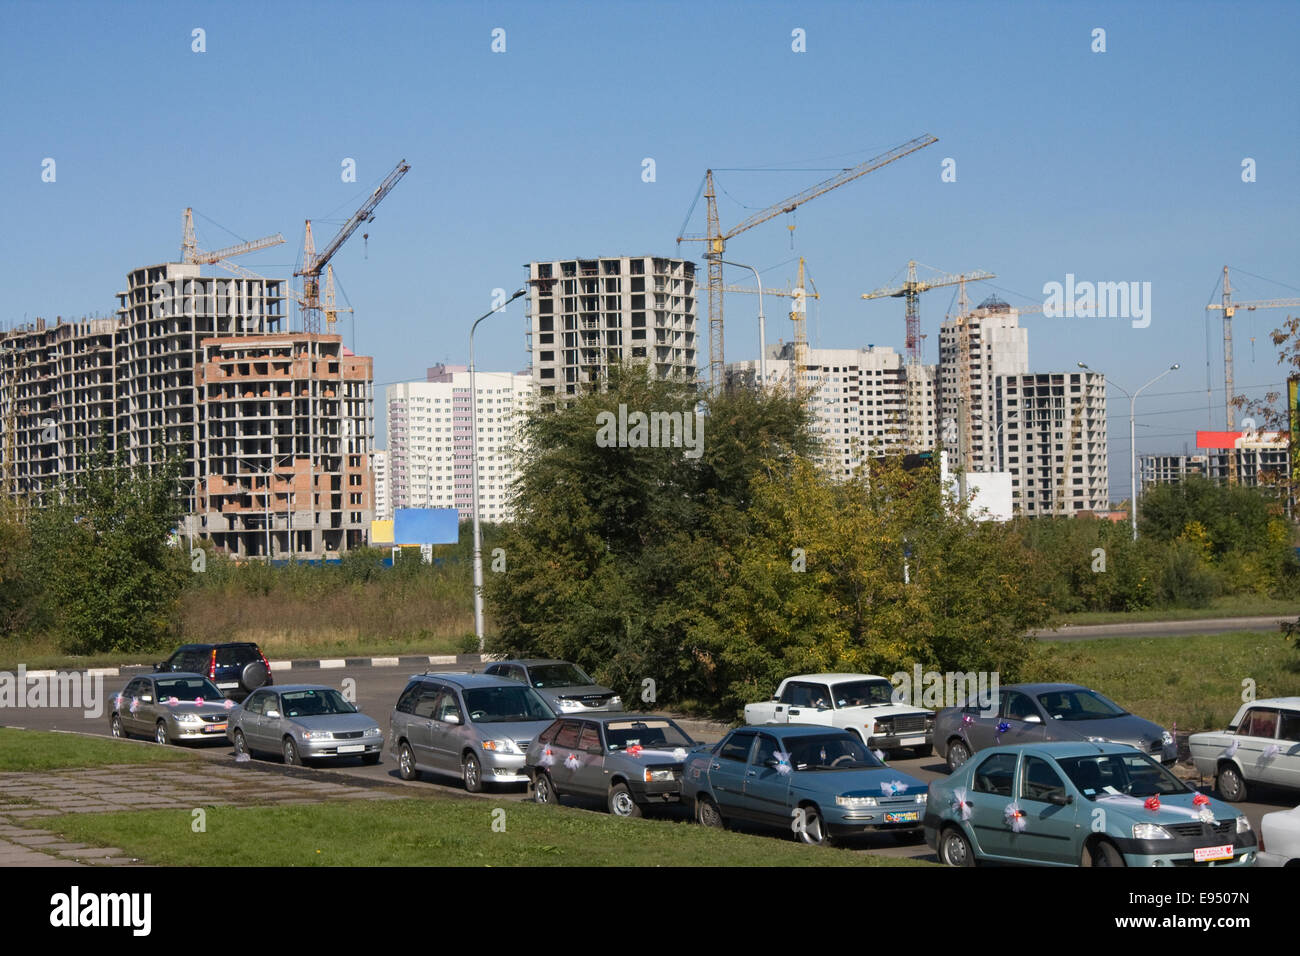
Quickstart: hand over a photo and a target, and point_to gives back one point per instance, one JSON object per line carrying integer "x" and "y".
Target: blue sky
{"x": 1115, "y": 166}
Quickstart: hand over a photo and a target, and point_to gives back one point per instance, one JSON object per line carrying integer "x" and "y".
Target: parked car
{"x": 629, "y": 761}
{"x": 170, "y": 708}
{"x": 1072, "y": 803}
{"x": 861, "y": 703}
{"x": 1036, "y": 713}
{"x": 238, "y": 668}
{"x": 1261, "y": 745}
{"x": 820, "y": 782}
{"x": 304, "y": 722}
{"x": 566, "y": 687}
{"x": 474, "y": 726}
{"x": 1279, "y": 838}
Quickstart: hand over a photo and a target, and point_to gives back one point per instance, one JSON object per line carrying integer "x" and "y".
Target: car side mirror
{"x": 1033, "y": 719}
{"x": 1060, "y": 798}
{"x": 273, "y": 713}
{"x": 160, "y": 666}
{"x": 146, "y": 699}
{"x": 770, "y": 763}
{"x": 451, "y": 719}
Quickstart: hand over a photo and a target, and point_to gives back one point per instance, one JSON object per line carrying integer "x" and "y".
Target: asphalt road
{"x": 1217, "y": 625}
{"x": 378, "y": 687}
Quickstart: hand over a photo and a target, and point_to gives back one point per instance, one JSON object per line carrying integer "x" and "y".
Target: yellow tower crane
{"x": 715, "y": 239}
{"x": 799, "y": 296}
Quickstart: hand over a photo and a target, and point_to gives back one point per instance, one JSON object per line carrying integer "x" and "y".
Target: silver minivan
{"x": 473, "y": 726}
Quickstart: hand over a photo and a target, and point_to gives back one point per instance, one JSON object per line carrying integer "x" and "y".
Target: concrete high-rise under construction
{"x": 273, "y": 428}
{"x": 588, "y": 315}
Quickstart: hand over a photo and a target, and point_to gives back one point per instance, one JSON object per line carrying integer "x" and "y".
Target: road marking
{"x": 383, "y": 662}
{"x": 442, "y": 659}
{"x": 333, "y": 663}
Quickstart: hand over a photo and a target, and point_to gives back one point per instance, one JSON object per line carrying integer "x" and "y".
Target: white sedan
{"x": 1260, "y": 746}
{"x": 1279, "y": 843}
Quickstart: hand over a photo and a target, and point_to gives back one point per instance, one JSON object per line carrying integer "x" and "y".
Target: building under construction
{"x": 273, "y": 428}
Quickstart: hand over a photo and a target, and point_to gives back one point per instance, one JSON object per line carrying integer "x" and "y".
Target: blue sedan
{"x": 1080, "y": 804}
{"x": 818, "y": 781}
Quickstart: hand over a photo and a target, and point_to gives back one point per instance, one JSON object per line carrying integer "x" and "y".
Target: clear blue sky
{"x": 1123, "y": 165}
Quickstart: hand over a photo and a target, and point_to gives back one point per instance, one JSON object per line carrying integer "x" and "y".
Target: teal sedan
{"x": 1080, "y": 804}
{"x": 818, "y": 782}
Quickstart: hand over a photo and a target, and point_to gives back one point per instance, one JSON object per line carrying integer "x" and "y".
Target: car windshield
{"x": 496, "y": 705}
{"x": 558, "y": 675}
{"x": 830, "y": 753}
{"x": 661, "y": 734}
{"x": 858, "y": 693}
{"x": 189, "y": 689}
{"x": 1133, "y": 775}
{"x": 315, "y": 703}
{"x": 1079, "y": 704}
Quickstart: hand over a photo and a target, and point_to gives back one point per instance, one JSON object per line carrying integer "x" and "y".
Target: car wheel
{"x": 115, "y": 727}
{"x": 706, "y": 812}
{"x": 370, "y": 759}
{"x": 291, "y": 756}
{"x": 160, "y": 733}
{"x": 1229, "y": 783}
{"x": 621, "y": 803}
{"x": 544, "y": 789}
{"x": 252, "y": 676}
{"x": 814, "y": 831}
{"x": 923, "y": 751}
{"x": 241, "y": 745}
{"x": 958, "y": 754}
{"x": 473, "y": 773}
{"x": 1102, "y": 853}
{"x": 406, "y": 763}
{"x": 955, "y": 849}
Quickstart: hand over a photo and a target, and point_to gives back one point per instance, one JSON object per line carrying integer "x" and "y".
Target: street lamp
{"x": 473, "y": 458}
{"x": 1132, "y": 442}
{"x": 762, "y": 324}
{"x": 997, "y": 444}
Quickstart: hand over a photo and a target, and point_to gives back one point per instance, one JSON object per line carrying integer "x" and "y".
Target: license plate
{"x": 228, "y": 685}
{"x": 351, "y": 748}
{"x": 906, "y": 817}
{"x": 1204, "y": 853}
{"x": 214, "y": 729}
{"x": 912, "y": 741}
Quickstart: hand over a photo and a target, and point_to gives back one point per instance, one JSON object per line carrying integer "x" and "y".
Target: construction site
{"x": 273, "y": 427}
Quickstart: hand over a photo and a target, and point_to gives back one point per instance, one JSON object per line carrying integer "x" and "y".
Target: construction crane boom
{"x": 911, "y": 291}
{"x": 191, "y": 253}
{"x": 716, "y": 240}
{"x": 313, "y": 263}
{"x": 798, "y": 315}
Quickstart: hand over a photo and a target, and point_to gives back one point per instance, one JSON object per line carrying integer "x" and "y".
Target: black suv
{"x": 237, "y": 669}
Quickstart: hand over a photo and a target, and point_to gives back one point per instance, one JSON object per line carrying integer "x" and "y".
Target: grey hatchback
{"x": 473, "y": 726}
{"x": 628, "y": 760}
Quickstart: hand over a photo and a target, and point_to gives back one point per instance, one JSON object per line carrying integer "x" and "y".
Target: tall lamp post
{"x": 762, "y": 323}
{"x": 1132, "y": 442}
{"x": 473, "y": 458}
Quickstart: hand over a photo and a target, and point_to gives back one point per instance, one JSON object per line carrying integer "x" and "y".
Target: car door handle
{"x": 715, "y": 766}
{"x": 751, "y": 773}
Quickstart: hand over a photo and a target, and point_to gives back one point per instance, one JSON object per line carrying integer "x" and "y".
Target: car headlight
{"x": 1243, "y": 825}
{"x": 652, "y": 776}
{"x": 317, "y": 735}
{"x": 1150, "y": 831}
{"x": 374, "y": 732}
{"x": 616, "y": 699}
{"x": 501, "y": 746}
{"x": 922, "y": 797}
{"x": 855, "y": 802}
{"x": 1166, "y": 738}
{"x": 884, "y": 727}
{"x": 188, "y": 719}
{"x": 567, "y": 704}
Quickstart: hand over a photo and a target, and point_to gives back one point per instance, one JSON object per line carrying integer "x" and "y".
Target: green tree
{"x": 101, "y": 544}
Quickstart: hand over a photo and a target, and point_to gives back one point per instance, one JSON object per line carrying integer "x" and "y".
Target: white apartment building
{"x": 379, "y": 478}
{"x": 998, "y": 346}
{"x": 586, "y": 315}
{"x": 429, "y": 440}
{"x": 1050, "y": 435}
{"x": 859, "y": 401}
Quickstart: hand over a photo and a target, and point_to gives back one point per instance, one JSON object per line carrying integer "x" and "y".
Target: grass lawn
{"x": 26, "y": 750}
{"x": 1238, "y": 605}
{"x": 1195, "y": 681}
{"x": 435, "y": 832}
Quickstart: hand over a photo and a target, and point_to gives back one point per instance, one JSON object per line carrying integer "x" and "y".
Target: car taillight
{"x": 265, "y": 663}
{"x": 212, "y": 666}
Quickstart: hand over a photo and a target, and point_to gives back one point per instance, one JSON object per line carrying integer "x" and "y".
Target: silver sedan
{"x": 170, "y": 708}
{"x": 304, "y": 722}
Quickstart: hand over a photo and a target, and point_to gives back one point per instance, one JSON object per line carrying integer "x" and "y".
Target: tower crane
{"x": 313, "y": 263}
{"x": 715, "y": 239}
{"x": 798, "y": 315}
{"x": 911, "y": 290}
{"x": 190, "y": 251}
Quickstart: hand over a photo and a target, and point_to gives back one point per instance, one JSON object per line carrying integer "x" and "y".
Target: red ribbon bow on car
{"x": 1153, "y": 802}
{"x": 1200, "y": 800}
{"x": 635, "y": 750}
